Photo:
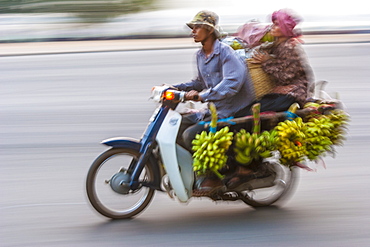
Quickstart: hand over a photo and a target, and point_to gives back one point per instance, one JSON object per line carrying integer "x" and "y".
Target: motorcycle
{"x": 122, "y": 181}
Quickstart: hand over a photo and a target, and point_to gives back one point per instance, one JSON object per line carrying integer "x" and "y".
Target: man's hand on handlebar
{"x": 193, "y": 95}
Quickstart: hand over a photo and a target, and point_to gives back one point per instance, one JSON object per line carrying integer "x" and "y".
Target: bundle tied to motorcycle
{"x": 295, "y": 140}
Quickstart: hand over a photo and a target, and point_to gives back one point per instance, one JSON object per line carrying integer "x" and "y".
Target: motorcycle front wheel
{"x": 114, "y": 203}
{"x": 279, "y": 189}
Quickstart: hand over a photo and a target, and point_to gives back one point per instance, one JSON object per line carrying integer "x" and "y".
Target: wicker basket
{"x": 263, "y": 83}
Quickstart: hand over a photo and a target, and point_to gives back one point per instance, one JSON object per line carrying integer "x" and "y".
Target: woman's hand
{"x": 193, "y": 95}
{"x": 260, "y": 57}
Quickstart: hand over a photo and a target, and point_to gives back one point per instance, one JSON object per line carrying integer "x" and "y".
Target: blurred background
{"x": 73, "y": 73}
{"x": 40, "y": 20}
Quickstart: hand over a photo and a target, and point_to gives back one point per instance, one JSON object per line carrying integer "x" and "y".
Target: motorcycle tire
{"x": 103, "y": 196}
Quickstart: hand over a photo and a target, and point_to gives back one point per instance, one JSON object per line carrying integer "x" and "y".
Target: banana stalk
{"x": 256, "y": 118}
{"x": 255, "y": 146}
{"x": 213, "y": 124}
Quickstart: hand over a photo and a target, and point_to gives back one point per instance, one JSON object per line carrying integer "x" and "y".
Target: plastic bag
{"x": 254, "y": 33}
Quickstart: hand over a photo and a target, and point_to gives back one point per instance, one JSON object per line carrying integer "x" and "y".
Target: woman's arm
{"x": 286, "y": 66}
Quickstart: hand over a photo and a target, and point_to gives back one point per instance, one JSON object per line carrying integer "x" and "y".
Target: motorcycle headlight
{"x": 169, "y": 95}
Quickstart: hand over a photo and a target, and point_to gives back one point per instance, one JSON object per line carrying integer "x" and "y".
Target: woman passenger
{"x": 286, "y": 62}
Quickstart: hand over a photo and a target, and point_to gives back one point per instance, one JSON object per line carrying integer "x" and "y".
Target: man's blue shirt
{"x": 223, "y": 79}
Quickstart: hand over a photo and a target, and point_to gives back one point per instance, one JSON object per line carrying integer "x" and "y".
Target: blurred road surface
{"x": 56, "y": 108}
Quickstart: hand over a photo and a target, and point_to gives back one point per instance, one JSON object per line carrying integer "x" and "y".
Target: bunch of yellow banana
{"x": 210, "y": 147}
{"x": 249, "y": 147}
{"x": 312, "y": 104}
{"x": 290, "y": 142}
{"x": 324, "y": 131}
{"x": 210, "y": 150}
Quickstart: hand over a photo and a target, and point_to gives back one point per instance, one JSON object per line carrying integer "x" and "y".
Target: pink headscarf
{"x": 287, "y": 21}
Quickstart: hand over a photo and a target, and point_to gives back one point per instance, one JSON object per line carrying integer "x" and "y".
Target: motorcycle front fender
{"x": 122, "y": 142}
{"x": 134, "y": 144}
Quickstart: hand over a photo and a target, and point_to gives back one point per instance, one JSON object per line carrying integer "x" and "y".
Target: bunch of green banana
{"x": 210, "y": 147}
{"x": 323, "y": 131}
{"x": 267, "y": 37}
{"x": 249, "y": 147}
{"x": 290, "y": 142}
{"x": 210, "y": 150}
{"x": 339, "y": 118}
{"x": 255, "y": 146}
{"x": 236, "y": 45}
{"x": 318, "y": 132}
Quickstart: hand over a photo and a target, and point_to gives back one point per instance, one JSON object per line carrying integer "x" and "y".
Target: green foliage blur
{"x": 82, "y": 8}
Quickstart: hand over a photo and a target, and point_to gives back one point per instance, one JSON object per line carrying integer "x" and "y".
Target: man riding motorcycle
{"x": 222, "y": 79}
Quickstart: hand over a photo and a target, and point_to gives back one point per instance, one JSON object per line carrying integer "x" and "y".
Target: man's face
{"x": 200, "y": 33}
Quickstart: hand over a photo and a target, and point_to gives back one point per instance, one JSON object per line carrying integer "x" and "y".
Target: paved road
{"x": 55, "y": 109}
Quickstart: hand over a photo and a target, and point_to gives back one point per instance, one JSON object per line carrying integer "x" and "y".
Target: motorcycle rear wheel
{"x": 103, "y": 198}
{"x": 284, "y": 185}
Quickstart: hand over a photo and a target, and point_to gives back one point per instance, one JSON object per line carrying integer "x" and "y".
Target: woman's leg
{"x": 276, "y": 102}
{"x": 269, "y": 102}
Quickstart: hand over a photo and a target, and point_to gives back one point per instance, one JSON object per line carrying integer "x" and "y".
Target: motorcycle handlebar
{"x": 167, "y": 93}
{"x": 182, "y": 94}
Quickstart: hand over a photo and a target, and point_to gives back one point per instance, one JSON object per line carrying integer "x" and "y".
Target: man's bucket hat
{"x": 207, "y": 18}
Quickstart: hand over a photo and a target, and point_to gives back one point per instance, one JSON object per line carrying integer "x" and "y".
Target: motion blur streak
{"x": 55, "y": 109}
